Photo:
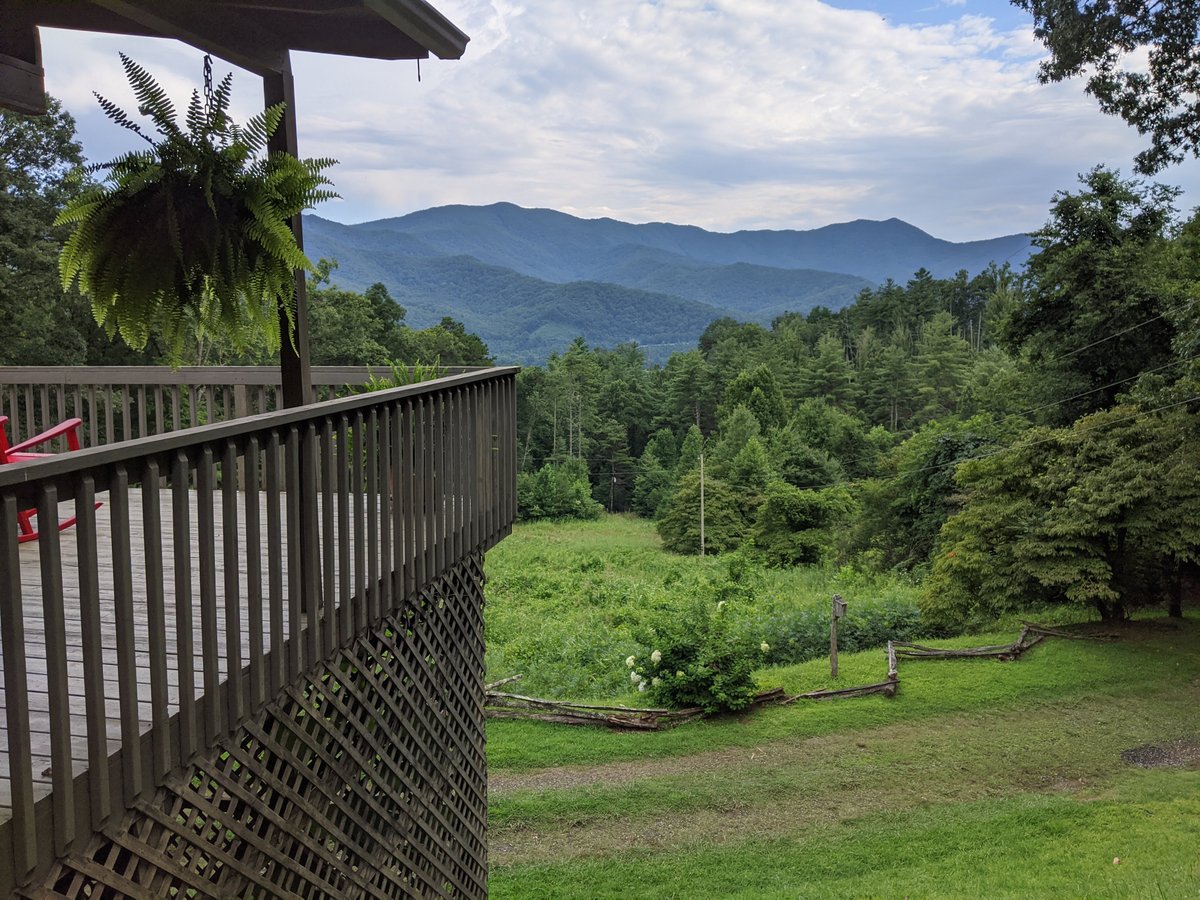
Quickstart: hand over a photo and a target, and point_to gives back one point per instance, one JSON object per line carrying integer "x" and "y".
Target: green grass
{"x": 980, "y": 778}
{"x": 1024, "y": 846}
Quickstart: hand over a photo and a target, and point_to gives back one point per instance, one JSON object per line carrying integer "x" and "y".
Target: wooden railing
{"x": 185, "y": 598}
{"x": 118, "y": 403}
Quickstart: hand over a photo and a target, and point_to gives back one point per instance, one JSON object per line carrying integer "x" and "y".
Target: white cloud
{"x": 721, "y": 113}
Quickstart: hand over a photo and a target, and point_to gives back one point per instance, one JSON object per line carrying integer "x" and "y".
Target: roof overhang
{"x": 254, "y": 34}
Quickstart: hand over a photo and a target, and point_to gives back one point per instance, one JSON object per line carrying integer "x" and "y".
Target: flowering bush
{"x": 696, "y": 660}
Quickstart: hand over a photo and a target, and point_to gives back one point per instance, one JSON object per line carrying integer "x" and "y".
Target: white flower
{"x": 655, "y": 681}
{"x": 642, "y": 686}
{"x": 634, "y": 677}
{"x": 630, "y": 660}
{"x": 764, "y": 646}
{"x": 656, "y": 657}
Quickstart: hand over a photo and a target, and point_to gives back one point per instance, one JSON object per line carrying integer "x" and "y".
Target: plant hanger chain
{"x": 208, "y": 87}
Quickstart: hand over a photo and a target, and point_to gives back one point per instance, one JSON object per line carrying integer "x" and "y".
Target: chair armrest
{"x": 68, "y": 427}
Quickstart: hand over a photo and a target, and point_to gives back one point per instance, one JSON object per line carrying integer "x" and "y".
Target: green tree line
{"x": 1010, "y": 438}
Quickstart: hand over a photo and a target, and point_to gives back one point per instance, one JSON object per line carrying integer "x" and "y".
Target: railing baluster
{"x": 276, "y": 672}
{"x": 109, "y": 415}
{"x": 328, "y": 540}
{"x": 184, "y": 647}
{"x": 16, "y": 693}
{"x": 31, "y": 425}
{"x": 55, "y": 630}
{"x": 209, "y": 641}
{"x": 344, "y": 579}
{"x": 127, "y": 685}
{"x": 44, "y": 397}
{"x": 386, "y": 483}
{"x": 453, "y": 468}
{"x": 441, "y": 483}
{"x": 156, "y": 619}
{"x": 421, "y": 501}
{"x": 254, "y": 592}
{"x": 372, "y": 547}
{"x": 407, "y": 493}
{"x": 310, "y": 541}
{"x": 158, "y": 409}
{"x": 141, "y": 410}
{"x": 360, "y": 540}
{"x": 295, "y": 590}
{"x": 231, "y": 547}
{"x": 92, "y": 647}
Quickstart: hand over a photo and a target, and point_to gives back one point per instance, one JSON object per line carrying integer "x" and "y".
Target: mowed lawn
{"x": 980, "y": 778}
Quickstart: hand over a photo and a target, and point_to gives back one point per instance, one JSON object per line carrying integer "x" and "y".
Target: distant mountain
{"x": 559, "y": 247}
{"x": 530, "y": 280}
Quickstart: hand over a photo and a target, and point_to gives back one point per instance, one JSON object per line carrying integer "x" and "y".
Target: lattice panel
{"x": 365, "y": 779}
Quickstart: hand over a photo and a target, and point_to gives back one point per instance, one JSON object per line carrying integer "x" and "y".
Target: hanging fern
{"x": 191, "y": 235}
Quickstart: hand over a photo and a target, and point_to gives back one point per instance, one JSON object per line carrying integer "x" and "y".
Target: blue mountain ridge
{"x": 530, "y": 280}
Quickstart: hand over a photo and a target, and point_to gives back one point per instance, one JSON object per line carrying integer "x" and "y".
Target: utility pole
{"x": 702, "y": 499}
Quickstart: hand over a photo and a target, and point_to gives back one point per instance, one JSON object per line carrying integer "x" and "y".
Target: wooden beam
{"x": 22, "y": 86}
{"x": 22, "y": 78}
{"x": 204, "y": 26}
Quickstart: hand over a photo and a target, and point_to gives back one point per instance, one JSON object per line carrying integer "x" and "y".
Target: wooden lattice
{"x": 364, "y": 779}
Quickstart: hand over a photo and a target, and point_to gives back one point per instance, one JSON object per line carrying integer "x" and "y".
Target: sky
{"x": 727, "y": 114}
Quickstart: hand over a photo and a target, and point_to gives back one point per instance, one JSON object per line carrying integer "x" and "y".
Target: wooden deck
{"x": 35, "y": 630}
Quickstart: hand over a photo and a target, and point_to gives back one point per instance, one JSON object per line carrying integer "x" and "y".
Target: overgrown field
{"x": 565, "y": 599}
{"x": 979, "y": 778}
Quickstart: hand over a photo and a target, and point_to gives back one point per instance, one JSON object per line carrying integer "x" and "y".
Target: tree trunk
{"x": 1175, "y": 601}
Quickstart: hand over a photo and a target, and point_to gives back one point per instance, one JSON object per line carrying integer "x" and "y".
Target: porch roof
{"x": 254, "y": 34}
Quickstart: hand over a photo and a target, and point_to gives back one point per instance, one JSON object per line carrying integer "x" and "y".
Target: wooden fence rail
{"x": 184, "y": 599}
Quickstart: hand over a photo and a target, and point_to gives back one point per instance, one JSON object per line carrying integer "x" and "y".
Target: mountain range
{"x": 528, "y": 281}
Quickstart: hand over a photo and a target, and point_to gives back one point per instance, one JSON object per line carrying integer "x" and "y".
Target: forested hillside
{"x": 528, "y": 280}
{"x": 1006, "y": 439}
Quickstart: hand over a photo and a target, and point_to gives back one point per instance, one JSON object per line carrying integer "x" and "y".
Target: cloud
{"x": 722, "y": 113}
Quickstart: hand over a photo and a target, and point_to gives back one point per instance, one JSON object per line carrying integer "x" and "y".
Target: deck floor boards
{"x": 36, "y": 665}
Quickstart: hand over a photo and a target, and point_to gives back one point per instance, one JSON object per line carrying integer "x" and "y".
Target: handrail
{"x": 34, "y": 472}
{"x": 196, "y": 375}
{"x": 217, "y": 565}
{"x": 120, "y": 403}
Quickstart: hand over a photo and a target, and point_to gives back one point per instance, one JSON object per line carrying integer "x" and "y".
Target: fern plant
{"x": 191, "y": 237}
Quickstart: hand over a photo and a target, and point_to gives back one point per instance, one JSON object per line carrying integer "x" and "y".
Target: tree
{"x": 1093, "y": 317}
{"x": 941, "y": 365}
{"x": 829, "y": 375}
{"x": 758, "y": 391}
{"x": 1102, "y": 514}
{"x": 690, "y": 384}
{"x": 556, "y": 491}
{"x": 1098, "y": 36}
{"x": 794, "y": 527}
{"x": 724, "y": 525}
{"x": 42, "y": 324}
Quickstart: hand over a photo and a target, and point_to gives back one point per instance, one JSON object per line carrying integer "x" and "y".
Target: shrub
{"x": 695, "y": 659}
{"x": 556, "y": 491}
{"x": 797, "y": 635}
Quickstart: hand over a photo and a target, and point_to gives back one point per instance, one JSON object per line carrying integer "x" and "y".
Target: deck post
{"x": 280, "y": 87}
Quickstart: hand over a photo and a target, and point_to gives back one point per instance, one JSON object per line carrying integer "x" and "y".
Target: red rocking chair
{"x": 21, "y": 453}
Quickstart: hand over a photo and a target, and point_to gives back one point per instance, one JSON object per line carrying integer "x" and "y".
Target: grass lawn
{"x": 980, "y": 778}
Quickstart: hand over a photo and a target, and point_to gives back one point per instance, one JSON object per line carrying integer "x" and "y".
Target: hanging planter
{"x": 190, "y": 238}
